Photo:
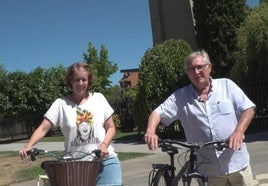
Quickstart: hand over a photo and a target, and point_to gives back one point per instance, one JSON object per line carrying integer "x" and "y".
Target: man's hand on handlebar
{"x": 151, "y": 139}
{"x": 236, "y": 140}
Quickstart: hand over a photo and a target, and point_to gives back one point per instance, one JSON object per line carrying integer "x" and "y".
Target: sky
{"x": 38, "y": 33}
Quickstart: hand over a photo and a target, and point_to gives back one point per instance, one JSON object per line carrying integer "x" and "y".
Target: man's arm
{"x": 236, "y": 139}
{"x": 150, "y": 136}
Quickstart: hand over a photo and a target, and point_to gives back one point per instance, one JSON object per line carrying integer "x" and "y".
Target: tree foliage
{"x": 23, "y": 94}
{"x": 127, "y": 101}
{"x": 122, "y": 101}
{"x": 114, "y": 97}
{"x": 27, "y": 96}
{"x": 17, "y": 94}
{"x": 102, "y": 67}
{"x": 161, "y": 72}
{"x": 30, "y": 95}
{"x": 3, "y": 90}
{"x": 251, "y": 56}
{"x": 45, "y": 85}
{"x": 216, "y": 22}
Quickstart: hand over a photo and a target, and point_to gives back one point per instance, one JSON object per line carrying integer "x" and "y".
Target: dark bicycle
{"x": 165, "y": 174}
{"x": 68, "y": 170}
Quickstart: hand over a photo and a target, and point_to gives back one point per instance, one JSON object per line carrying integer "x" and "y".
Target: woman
{"x": 86, "y": 122}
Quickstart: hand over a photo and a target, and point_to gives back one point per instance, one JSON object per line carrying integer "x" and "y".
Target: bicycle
{"x": 165, "y": 174}
{"x": 68, "y": 170}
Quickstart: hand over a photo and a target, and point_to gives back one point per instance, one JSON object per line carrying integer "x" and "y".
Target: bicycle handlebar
{"x": 168, "y": 143}
{"x": 35, "y": 152}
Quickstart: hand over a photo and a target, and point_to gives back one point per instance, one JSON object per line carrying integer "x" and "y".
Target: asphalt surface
{"x": 135, "y": 171}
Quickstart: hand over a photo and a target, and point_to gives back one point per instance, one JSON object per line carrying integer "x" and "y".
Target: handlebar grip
{"x": 97, "y": 153}
{"x": 222, "y": 145}
{"x": 33, "y": 153}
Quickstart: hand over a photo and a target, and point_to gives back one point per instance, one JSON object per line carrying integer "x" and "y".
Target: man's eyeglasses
{"x": 197, "y": 68}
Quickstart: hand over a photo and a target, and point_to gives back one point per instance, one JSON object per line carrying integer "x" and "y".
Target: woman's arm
{"x": 110, "y": 133}
{"x": 38, "y": 134}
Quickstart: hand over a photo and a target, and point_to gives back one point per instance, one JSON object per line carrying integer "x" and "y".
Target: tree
{"x": 45, "y": 85}
{"x": 17, "y": 91}
{"x": 30, "y": 95}
{"x": 251, "y": 56}
{"x": 127, "y": 101}
{"x": 114, "y": 97}
{"x": 102, "y": 67}
{"x": 4, "y": 90}
{"x": 161, "y": 72}
{"x": 216, "y": 22}
{"x": 122, "y": 101}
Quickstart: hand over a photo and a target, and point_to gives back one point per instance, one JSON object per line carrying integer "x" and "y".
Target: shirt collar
{"x": 213, "y": 86}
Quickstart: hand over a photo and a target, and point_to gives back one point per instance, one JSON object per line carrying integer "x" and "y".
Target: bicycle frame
{"x": 168, "y": 168}
{"x": 193, "y": 172}
{"x": 190, "y": 168}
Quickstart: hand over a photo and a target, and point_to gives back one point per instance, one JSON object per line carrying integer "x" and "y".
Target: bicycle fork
{"x": 168, "y": 169}
{"x": 193, "y": 173}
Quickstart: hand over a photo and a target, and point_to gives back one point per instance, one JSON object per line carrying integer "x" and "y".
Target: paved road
{"x": 135, "y": 171}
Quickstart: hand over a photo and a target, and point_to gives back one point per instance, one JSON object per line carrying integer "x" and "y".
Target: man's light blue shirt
{"x": 214, "y": 119}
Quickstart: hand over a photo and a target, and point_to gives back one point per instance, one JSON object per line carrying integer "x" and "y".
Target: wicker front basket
{"x": 72, "y": 173}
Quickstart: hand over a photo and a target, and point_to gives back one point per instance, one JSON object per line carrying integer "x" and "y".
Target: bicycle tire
{"x": 162, "y": 178}
{"x": 151, "y": 177}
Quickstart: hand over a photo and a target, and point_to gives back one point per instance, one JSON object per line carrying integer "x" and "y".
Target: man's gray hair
{"x": 194, "y": 54}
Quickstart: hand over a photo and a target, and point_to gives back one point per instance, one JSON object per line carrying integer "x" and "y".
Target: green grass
{"x": 129, "y": 155}
{"x": 53, "y": 139}
{"x": 6, "y": 154}
{"x": 46, "y": 139}
{"x": 127, "y": 136}
{"x": 119, "y": 136}
{"x": 30, "y": 173}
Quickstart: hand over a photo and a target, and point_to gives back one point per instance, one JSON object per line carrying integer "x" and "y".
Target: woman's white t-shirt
{"x": 82, "y": 125}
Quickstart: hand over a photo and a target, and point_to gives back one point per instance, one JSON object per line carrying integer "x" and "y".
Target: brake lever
{"x": 222, "y": 145}
{"x": 33, "y": 153}
{"x": 97, "y": 153}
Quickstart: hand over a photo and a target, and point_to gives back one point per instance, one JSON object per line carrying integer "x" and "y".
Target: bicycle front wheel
{"x": 162, "y": 178}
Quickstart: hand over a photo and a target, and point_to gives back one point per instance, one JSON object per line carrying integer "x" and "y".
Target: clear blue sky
{"x": 47, "y": 33}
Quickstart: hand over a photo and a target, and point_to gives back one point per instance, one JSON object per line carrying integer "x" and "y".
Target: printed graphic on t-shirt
{"x": 85, "y": 128}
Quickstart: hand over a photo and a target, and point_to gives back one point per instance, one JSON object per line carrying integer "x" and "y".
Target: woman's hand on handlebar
{"x": 104, "y": 151}
{"x": 151, "y": 139}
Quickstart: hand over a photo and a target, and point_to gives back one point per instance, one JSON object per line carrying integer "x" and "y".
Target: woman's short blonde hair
{"x": 78, "y": 66}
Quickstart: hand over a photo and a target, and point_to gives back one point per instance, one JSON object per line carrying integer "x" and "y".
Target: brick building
{"x": 130, "y": 78}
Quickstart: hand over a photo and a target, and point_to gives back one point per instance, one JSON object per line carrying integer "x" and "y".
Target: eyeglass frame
{"x": 198, "y": 68}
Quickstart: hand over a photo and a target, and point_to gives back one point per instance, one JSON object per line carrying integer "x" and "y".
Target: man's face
{"x": 198, "y": 71}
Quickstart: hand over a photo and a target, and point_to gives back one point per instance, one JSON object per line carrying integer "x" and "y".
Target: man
{"x": 209, "y": 109}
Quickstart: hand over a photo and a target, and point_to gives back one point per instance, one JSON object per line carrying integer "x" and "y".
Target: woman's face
{"x": 80, "y": 81}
